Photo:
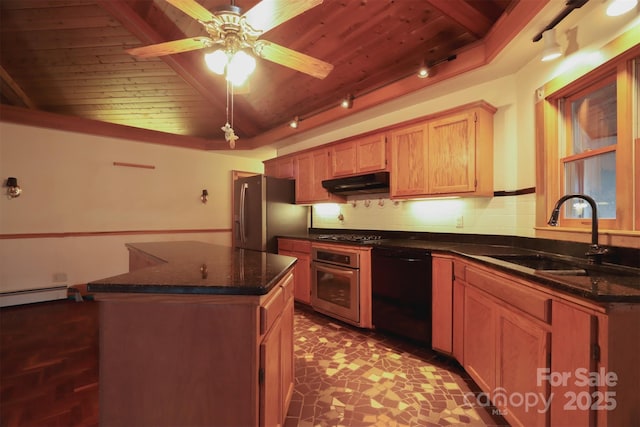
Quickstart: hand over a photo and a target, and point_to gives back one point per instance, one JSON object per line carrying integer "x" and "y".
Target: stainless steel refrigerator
{"x": 264, "y": 208}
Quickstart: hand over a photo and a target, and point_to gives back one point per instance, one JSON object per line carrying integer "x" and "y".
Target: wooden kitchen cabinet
{"x": 276, "y": 364}
{"x": 280, "y": 167}
{"x": 451, "y": 152}
{"x": 311, "y": 168}
{"x": 506, "y": 340}
{"x": 225, "y": 360}
{"x": 504, "y": 329}
{"x": 573, "y": 340}
{"x": 300, "y": 249}
{"x": 362, "y": 155}
{"x": 448, "y": 154}
{"x": 442, "y": 304}
{"x": 409, "y": 160}
{"x": 523, "y": 348}
{"x": 480, "y": 338}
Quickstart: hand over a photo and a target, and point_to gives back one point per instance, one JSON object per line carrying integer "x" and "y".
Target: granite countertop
{"x": 191, "y": 267}
{"x": 603, "y": 284}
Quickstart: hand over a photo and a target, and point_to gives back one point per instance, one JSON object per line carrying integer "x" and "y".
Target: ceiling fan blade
{"x": 193, "y": 9}
{"x": 168, "y": 48}
{"x": 293, "y": 59}
{"x": 269, "y": 14}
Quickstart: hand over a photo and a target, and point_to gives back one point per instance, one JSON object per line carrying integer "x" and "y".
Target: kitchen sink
{"x": 552, "y": 265}
{"x": 543, "y": 263}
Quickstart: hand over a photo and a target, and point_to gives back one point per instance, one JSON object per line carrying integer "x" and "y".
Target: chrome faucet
{"x": 595, "y": 252}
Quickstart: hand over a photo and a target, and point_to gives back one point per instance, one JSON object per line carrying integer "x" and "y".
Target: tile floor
{"x": 347, "y": 377}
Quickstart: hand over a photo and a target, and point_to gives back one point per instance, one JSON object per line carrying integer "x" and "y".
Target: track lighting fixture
{"x": 551, "y": 49}
{"x": 620, "y": 7}
{"x": 295, "y": 122}
{"x": 424, "y": 71}
{"x": 347, "y": 102}
{"x": 427, "y": 69}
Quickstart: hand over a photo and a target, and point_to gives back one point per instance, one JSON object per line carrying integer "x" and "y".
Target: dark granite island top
{"x": 190, "y": 267}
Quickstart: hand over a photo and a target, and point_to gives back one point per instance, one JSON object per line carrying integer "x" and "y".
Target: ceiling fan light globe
{"x": 242, "y": 62}
{"x": 216, "y": 61}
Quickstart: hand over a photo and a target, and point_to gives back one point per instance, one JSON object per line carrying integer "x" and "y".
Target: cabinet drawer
{"x": 271, "y": 309}
{"x": 514, "y": 294}
{"x": 303, "y": 246}
{"x": 292, "y": 245}
{"x": 285, "y": 244}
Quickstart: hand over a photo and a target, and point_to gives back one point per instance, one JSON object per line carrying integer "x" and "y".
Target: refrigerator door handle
{"x": 243, "y": 196}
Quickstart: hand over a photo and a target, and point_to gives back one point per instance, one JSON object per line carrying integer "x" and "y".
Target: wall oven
{"x": 335, "y": 283}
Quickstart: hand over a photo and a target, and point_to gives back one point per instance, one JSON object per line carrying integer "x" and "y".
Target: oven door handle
{"x": 334, "y": 270}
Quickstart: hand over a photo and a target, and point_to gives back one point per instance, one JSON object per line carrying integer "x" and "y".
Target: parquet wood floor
{"x": 49, "y": 364}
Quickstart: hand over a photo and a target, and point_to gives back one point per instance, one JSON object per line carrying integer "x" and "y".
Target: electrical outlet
{"x": 460, "y": 222}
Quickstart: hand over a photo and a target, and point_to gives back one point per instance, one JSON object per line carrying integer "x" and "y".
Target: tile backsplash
{"x": 506, "y": 215}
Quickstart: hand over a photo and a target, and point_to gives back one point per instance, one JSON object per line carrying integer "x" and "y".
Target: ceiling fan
{"x": 234, "y": 32}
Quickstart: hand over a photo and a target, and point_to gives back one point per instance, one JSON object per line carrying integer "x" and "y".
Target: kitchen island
{"x": 196, "y": 334}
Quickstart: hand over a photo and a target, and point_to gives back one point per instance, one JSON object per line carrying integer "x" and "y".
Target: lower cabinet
{"x": 543, "y": 359}
{"x": 503, "y": 350}
{"x": 276, "y": 369}
{"x": 208, "y": 360}
{"x": 300, "y": 249}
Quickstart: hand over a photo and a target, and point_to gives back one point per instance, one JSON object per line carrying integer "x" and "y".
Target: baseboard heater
{"x": 29, "y": 296}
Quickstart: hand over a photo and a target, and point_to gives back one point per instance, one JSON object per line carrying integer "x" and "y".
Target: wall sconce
{"x": 205, "y": 196}
{"x": 347, "y": 102}
{"x": 295, "y": 122}
{"x": 13, "y": 189}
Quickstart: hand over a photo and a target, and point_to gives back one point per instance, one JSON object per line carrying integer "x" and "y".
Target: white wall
{"x": 513, "y": 92}
{"x": 70, "y": 185}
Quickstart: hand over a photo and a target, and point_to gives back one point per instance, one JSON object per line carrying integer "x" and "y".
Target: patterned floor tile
{"x": 346, "y": 376}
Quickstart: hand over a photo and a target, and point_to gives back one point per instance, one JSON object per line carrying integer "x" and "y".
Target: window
{"x": 589, "y": 165}
{"x": 587, "y": 127}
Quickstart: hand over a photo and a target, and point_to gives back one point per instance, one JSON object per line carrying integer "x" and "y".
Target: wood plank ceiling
{"x": 68, "y": 57}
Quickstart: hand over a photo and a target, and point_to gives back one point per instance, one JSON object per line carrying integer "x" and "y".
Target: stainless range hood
{"x": 361, "y": 184}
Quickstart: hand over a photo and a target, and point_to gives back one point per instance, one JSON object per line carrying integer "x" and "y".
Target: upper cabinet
{"x": 450, "y": 154}
{"x": 311, "y": 168}
{"x": 362, "y": 155}
{"x": 409, "y": 161}
{"x": 280, "y": 167}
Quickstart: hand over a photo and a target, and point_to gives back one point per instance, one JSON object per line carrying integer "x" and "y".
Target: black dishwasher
{"x": 401, "y": 292}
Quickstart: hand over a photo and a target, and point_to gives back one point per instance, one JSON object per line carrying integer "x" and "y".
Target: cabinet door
{"x": 442, "y": 305}
{"x": 452, "y": 154}
{"x": 302, "y": 289}
{"x": 573, "y": 337}
{"x": 458, "y": 320}
{"x": 371, "y": 153}
{"x": 287, "y": 359}
{"x": 320, "y": 173}
{"x": 271, "y": 377}
{"x": 343, "y": 159}
{"x": 523, "y": 348}
{"x": 480, "y": 338}
{"x": 304, "y": 178}
{"x": 409, "y": 161}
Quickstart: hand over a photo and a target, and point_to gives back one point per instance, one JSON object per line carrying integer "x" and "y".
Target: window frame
{"x": 551, "y": 131}
{"x": 566, "y": 144}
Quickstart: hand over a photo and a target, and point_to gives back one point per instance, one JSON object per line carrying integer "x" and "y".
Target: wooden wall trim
{"x": 110, "y": 233}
